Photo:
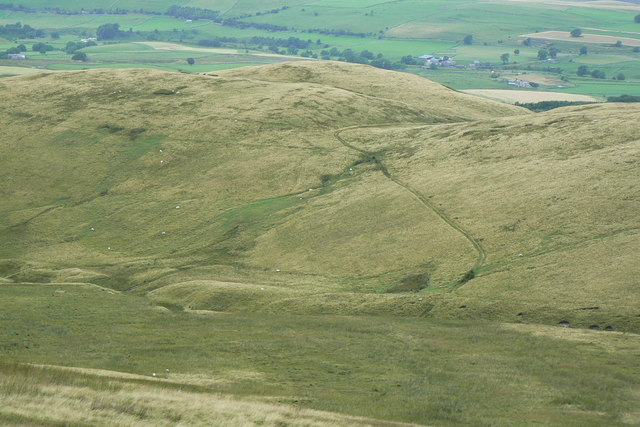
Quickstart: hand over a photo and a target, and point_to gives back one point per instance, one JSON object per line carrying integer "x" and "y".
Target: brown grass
{"x": 110, "y": 399}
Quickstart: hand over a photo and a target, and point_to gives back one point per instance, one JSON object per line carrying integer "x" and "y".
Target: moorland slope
{"x": 320, "y": 188}
{"x": 317, "y": 244}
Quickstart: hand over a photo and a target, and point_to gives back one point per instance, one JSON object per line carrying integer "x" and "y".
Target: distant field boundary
{"x": 584, "y": 38}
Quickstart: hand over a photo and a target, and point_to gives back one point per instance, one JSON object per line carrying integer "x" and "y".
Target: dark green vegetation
{"x": 313, "y": 235}
{"x": 548, "y": 105}
{"x": 478, "y": 36}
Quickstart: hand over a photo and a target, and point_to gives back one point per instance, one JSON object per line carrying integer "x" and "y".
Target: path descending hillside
{"x": 320, "y": 188}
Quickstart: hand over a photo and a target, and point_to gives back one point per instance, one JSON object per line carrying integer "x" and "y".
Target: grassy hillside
{"x": 271, "y": 370}
{"x": 120, "y": 183}
{"x": 315, "y": 178}
{"x": 313, "y": 236}
{"x": 552, "y": 198}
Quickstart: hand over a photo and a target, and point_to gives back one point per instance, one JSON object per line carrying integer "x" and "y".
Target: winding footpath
{"x": 481, "y": 253}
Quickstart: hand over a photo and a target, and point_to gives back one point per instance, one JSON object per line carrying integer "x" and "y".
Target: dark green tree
{"x": 367, "y": 54}
{"x": 583, "y": 70}
{"x": 79, "y": 56}
{"x": 41, "y": 47}
{"x": 637, "y": 18}
{"x": 108, "y": 31}
{"x": 191, "y": 61}
{"x": 409, "y": 60}
{"x": 583, "y": 50}
{"x": 576, "y": 33}
{"x": 468, "y": 39}
{"x": 543, "y": 54}
{"x": 505, "y": 58}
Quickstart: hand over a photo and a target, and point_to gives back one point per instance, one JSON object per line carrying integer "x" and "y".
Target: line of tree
{"x": 583, "y": 70}
{"x": 234, "y": 22}
{"x": 549, "y": 105}
{"x": 192, "y": 13}
{"x": 259, "y": 42}
{"x": 623, "y": 98}
{"x": 362, "y": 57}
{"x": 19, "y": 31}
{"x": 72, "y": 46}
{"x": 17, "y": 8}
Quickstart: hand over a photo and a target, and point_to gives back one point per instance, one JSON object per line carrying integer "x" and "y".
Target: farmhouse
{"x": 518, "y": 83}
{"x": 16, "y": 56}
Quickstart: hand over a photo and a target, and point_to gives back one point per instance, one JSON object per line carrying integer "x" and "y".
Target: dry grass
{"x": 93, "y": 172}
{"x": 552, "y": 198}
{"x": 238, "y": 156}
{"x": 525, "y": 96}
{"x": 437, "y": 103}
{"x": 47, "y": 395}
{"x": 18, "y": 70}
{"x": 584, "y": 38}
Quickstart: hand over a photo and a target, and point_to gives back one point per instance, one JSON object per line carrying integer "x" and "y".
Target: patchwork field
{"x": 392, "y": 30}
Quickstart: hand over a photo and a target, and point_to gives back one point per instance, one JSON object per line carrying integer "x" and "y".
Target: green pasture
{"x": 118, "y": 47}
{"x": 412, "y": 370}
{"x": 605, "y": 19}
{"x": 242, "y": 7}
{"x": 136, "y": 22}
{"x": 602, "y": 88}
{"x": 153, "y": 5}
